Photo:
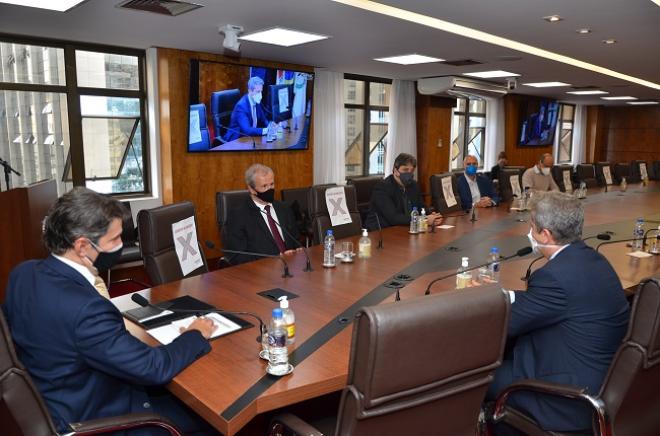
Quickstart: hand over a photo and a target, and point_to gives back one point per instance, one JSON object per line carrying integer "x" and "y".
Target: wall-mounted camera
{"x": 231, "y": 32}
{"x": 511, "y": 84}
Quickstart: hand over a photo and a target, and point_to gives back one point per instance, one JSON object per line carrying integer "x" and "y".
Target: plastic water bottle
{"x": 414, "y": 221}
{"x": 638, "y": 235}
{"x": 655, "y": 243}
{"x": 278, "y": 356}
{"x": 280, "y": 131}
{"x": 329, "y": 250}
{"x": 494, "y": 265}
{"x": 289, "y": 320}
{"x": 364, "y": 245}
{"x": 463, "y": 278}
{"x": 423, "y": 222}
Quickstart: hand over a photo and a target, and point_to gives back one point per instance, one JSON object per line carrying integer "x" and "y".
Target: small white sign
{"x": 444, "y": 227}
{"x": 169, "y": 332}
{"x": 448, "y": 192}
{"x": 335, "y": 200}
{"x": 283, "y": 97}
{"x": 515, "y": 186}
{"x": 608, "y": 175}
{"x": 567, "y": 181}
{"x": 195, "y": 135}
{"x": 642, "y": 170}
{"x": 184, "y": 233}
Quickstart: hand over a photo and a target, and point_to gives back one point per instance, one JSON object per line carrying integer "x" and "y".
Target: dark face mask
{"x": 267, "y": 196}
{"x": 407, "y": 178}
{"x": 106, "y": 259}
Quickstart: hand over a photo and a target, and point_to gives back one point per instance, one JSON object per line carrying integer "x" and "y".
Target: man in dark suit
{"x": 249, "y": 116}
{"x": 474, "y": 188}
{"x": 568, "y": 324}
{"x": 394, "y": 197}
{"x": 73, "y": 341}
{"x": 501, "y": 163}
{"x": 262, "y": 224}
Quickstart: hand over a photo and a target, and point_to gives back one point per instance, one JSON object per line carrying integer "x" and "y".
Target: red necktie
{"x": 275, "y": 231}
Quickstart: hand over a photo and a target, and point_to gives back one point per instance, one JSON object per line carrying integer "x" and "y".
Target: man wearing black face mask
{"x": 394, "y": 197}
{"x": 257, "y": 225}
{"x": 73, "y": 342}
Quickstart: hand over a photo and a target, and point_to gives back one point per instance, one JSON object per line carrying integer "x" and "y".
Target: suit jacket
{"x": 567, "y": 327}
{"x": 246, "y": 230}
{"x": 241, "y": 120}
{"x": 392, "y": 203}
{"x": 74, "y": 344}
{"x": 486, "y": 189}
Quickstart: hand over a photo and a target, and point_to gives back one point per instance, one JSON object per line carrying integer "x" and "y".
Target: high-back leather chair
{"x": 621, "y": 170}
{"x": 421, "y": 366}
{"x": 222, "y": 105}
{"x": 226, "y": 201}
{"x": 298, "y": 200}
{"x": 600, "y": 175}
{"x": 363, "y": 187}
{"x": 586, "y": 173}
{"x": 131, "y": 251}
{"x": 205, "y": 141}
{"x": 634, "y": 172}
{"x": 438, "y": 199}
{"x": 321, "y": 217}
{"x": 23, "y": 411}
{"x": 558, "y": 175}
{"x": 654, "y": 170}
{"x": 506, "y": 190}
{"x": 157, "y": 244}
{"x": 628, "y": 400}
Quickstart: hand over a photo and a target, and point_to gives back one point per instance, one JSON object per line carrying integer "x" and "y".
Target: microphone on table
{"x": 520, "y": 253}
{"x": 254, "y": 145}
{"x": 614, "y": 242}
{"x": 308, "y": 267}
{"x": 285, "y": 265}
{"x": 139, "y": 299}
{"x": 601, "y": 236}
{"x": 380, "y": 230}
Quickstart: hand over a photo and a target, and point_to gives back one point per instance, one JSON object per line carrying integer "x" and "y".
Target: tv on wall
{"x": 539, "y": 122}
{"x": 248, "y": 108}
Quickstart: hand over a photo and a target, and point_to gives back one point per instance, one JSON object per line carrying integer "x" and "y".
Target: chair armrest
{"x": 123, "y": 422}
{"x": 289, "y": 424}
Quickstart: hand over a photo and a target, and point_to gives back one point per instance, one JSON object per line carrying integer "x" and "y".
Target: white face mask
{"x": 545, "y": 171}
{"x": 256, "y": 98}
{"x": 536, "y": 246}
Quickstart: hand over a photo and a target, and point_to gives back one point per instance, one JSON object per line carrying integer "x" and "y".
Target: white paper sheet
{"x": 445, "y": 226}
{"x": 335, "y": 200}
{"x": 642, "y": 170}
{"x": 568, "y": 184}
{"x": 283, "y": 97}
{"x": 448, "y": 192}
{"x": 185, "y": 244}
{"x": 167, "y": 333}
{"x": 639, "y": 254}
{"x": 608, "y": 175}
{"x": 515, "y": 186}
{"x": 195, "y": 135}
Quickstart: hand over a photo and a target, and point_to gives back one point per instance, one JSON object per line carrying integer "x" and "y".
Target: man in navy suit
{"x": 475, "y": 189}
{"x": 568, "y": 324}
{"x": 249, "y": 116}
{"x": 73, "y": 341}
{"x": 261, "y": 224}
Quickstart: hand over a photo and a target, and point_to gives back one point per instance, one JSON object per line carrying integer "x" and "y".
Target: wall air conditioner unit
{"x": 459, "y": 87}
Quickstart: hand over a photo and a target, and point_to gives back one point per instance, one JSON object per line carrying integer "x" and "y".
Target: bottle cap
{"x": 365, "y": 233}
{"x": 284, "y": 302}
{"x": 494, "y": 250}
{"x": 414, "y": 208}
{"x": 329, "y": 232}
{"x": 464, "y": 261}
{"x": 423, "y": 211}
{"x": 277, "y": 313}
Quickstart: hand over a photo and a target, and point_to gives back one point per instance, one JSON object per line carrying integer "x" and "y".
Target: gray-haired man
{"x": 249, "y": 116}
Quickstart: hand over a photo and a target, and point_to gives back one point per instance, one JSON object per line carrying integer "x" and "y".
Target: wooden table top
{"x": 229, "y": 386}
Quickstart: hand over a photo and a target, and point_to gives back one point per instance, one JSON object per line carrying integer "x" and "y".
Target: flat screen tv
{"x": 539, "y": 122}
{"x": 248, "y": 108}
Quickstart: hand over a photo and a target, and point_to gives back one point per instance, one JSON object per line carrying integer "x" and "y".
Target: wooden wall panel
{"x": 198, "y": 176}
{"x": 518, "y": 156}
{"x": 433, "y": 118}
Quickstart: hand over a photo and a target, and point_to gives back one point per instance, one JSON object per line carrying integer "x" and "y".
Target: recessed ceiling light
{"x": 491, "y": 74}
{"x": 282, "y": 37}
{"x": 410, "y": 59}
{"x": 657, "y": 2}
{"x": 641, "y": 103}
{"x": 584, "y": 30}
{"x": 609, "y": 41}
{"x": 624, "y": 97}
{"x": 546, "y": 84}
{"x": 553, "y": 18}
{"x": 53, "y": 5}
{"x": 594, "y": 92}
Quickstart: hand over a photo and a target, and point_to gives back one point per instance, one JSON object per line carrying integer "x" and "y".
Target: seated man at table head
{"x": 261, "y": 224}
{"x": 568, "y": 324}
{"x": 249, "y": 115}
{"x": 394, "y": 197}
{"x": 474, "y": 188}
{"x": 502, "y": 161}
{"x": 73, "y": 341}
{"x": 539, "y": 177}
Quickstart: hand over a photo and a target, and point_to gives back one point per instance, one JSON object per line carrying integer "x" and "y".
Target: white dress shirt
{"x": 474, "y": 188}
{"x": 78, "y": 267}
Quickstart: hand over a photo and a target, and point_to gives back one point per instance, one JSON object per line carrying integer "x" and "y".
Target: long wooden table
{"x": 229, "y": 387}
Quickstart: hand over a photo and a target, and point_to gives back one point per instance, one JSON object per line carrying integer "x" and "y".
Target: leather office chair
{"x": 558, "y": 175}
{"x": 506, "y": 189}
{"x": 621, "y": 170}
{"x": 654, "y": 170}
{"x": 600, "y": 175}
{"x": 586, "y": 173}
{"x": 634, "y": 173}
{"x": 224, "y": 202}
{"x": 438, "y": 199}
{"x": 400, "y": 386}
{"x": 298, "y": 200}
{"x": 23, "y": 411}
{"x": 222, "y": 105}
{"x": 363, "y": 187}
{"x": 628, "y": 400}
{"x": 321, "y": 217}
{"x": 157, "y": 244}
{"x": 205, "y": 142}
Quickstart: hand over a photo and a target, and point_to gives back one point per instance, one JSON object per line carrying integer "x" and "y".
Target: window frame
{"x": 560, "y": 128}
{"x": 74, "y": 92}
{"x": 466, "y": 115}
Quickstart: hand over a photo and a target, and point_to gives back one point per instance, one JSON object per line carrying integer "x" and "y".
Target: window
{"x": 366, "y": 103}
{"x": 565, "y": 148}
{"x": 75, "y": 114}
{"x": 468, "y": 130}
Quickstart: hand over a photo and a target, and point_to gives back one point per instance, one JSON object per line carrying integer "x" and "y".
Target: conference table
{"x": 229, "y": 386}
{"x": 292, "y": 138}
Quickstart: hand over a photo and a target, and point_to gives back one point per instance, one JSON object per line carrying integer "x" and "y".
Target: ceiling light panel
{"x": 410, "y": 59}
{"x": 491, "y": 74}
{"x": 553, "y": 18}
{"x": 583, "y": 31}
{"x": 547, "y": 84}
{"x": 622, "y": 97}
{"x": 282, "y": 37}
{"x": 642, "y": 103}
{"x": 53, "y": 5}
{"x": 593, "y": 92}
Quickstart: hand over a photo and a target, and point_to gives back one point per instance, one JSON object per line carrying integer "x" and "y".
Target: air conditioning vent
{"x": 171, "y": 8}
{"x": 458, "y": 86}
{"x": 462, "y": 62}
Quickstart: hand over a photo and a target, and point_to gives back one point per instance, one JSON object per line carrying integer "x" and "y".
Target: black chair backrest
{"x": 226, "y": 201}
{"x": 321, "y": 218}
{"x": 397, "y": 385}
{"x": 438, "y": 197}
{"x": 363, "y": 187}
{"x": 600, "y": 174}
{"x": 654, "y": 170}
{"x": 506, "y": 188}
{"x": 157, "y": 243}
{"x": 621, "y": 170}
{"x": 634, "y": 173}
{"x": 558, "y": 175}
{"x": 222, "y": 105}
{"x": 129, "y": 231}
{"x": 298, "y": 200}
